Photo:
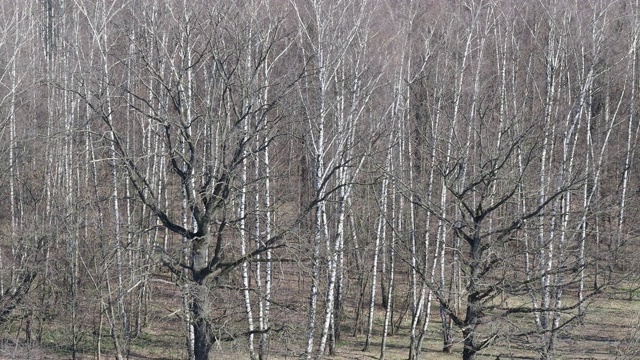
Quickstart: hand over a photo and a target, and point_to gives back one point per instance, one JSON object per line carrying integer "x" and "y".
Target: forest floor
{"x": 611, "y": 330}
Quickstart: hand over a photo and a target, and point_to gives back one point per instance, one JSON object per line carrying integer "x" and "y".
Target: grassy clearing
{"x": 610, "y": 330}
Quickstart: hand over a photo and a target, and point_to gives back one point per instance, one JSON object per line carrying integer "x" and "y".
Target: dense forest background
{"x": 278, "y": 179}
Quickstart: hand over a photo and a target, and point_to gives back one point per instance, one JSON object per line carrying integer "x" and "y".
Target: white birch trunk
{"x": 242, "y": 213}
{"x": 380, "y": 239}
{"x": 430, "y": 269}
{"x": 102, "y": 39}
{"x": 396, "y": 219}
{"x": 546, "y": 156}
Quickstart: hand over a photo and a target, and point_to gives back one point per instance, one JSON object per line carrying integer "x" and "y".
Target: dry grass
{"x": 610, "y": 330}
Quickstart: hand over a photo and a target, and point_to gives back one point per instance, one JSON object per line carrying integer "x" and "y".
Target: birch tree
{"x": 336, "y": 38}
{"x": 23, "y": 238}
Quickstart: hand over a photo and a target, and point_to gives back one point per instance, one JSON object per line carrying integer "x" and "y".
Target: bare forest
{"x": 343, "y": 179}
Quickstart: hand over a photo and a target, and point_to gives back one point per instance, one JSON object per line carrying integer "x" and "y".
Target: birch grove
{"x": 318, "y": 179}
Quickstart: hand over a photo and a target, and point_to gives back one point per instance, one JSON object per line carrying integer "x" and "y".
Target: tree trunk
{"x": 203, "y": 338}
{"x": 380, "y": 235}
{"x": 474, "y": 303}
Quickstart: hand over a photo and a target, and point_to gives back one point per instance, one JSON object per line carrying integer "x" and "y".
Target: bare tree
{"x": 207, "y": 108}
